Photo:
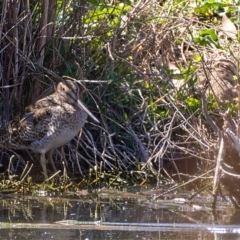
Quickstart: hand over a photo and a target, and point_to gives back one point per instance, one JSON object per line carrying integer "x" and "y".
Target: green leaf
{"x": 210, "y": 7}
{"x": 207, "y": 37}
{"x": 94, "y": 2}
{"x": 208, "y": 32}
{"x": 193, "y": 103}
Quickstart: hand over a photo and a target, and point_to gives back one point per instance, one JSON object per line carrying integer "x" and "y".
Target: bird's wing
{"x": 49, "y": 101}
{"x": 33, "y": 126}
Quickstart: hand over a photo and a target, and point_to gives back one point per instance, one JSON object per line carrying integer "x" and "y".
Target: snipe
{"x": 48, "y": 123}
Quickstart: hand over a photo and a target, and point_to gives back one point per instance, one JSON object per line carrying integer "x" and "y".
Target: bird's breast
{"x": 60, "y": 131}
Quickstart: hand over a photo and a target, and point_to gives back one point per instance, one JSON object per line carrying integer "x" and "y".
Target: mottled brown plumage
{"x": 220, "y": 74}
{"x": 48, "y": 123}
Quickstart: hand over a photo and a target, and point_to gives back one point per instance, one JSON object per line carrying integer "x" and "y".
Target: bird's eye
{"x": 63, "y": 89}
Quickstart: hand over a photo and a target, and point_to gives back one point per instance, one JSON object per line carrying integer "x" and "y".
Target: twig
{"x": 208, "y": 118}
{"x": 221, "y": 154}
{"x": 55, "y": 174}
{"x": 27, "y": 173}
{"x": 24, "y": 170}
{"x": 234, "y": 138}
{"x": 183, "y": 184}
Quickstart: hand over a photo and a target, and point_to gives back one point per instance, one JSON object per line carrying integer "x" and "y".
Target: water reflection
{"x": 114, "y": 216}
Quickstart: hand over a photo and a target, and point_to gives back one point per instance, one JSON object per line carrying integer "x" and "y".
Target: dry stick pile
{"x": 141, "y": 102}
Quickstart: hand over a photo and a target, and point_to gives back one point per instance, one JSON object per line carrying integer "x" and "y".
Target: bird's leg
{"x": 43, "y": 163}
{"x": 49, "y": 154}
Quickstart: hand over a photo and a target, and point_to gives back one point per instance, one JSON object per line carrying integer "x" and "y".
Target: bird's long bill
{"x": 82, "y": 106}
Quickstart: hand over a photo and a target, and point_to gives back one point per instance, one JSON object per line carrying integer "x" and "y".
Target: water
{"x": 115, "y": 215}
